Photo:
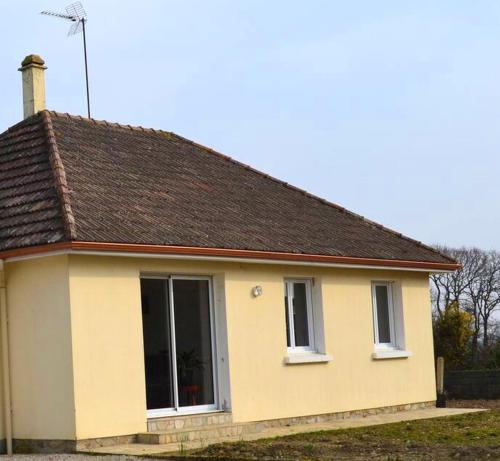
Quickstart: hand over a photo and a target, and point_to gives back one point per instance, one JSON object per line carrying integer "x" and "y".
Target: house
{"x": 150, "y": 284}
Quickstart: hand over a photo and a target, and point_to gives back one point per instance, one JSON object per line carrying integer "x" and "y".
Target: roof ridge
{"x": 59, "y": 176}
{"x": 109, "y": 124}
{"x": 313, "y": 196}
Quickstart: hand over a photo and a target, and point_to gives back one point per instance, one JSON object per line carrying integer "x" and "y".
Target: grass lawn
{"x": 474, "y": 436}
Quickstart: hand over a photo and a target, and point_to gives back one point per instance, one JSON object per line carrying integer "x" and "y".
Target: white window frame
{"x": 177, "y": 409}
{"x": 393, "y": 344}
{"x": 310, "y": 317}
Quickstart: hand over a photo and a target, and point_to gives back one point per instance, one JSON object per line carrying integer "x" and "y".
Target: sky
{"x": 388, "y": 108}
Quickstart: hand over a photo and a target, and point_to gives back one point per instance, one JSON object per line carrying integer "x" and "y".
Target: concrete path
{"x": 371, "y": 420}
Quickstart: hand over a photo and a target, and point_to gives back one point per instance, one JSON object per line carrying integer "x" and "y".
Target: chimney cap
{"x": 32, "y": 60}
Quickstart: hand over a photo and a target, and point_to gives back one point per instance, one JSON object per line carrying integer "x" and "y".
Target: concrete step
{"x": 141, "y": 449}
{"x": 170, "y": 423}
{"x": 181, "y": 447}
{"x": 201, "y": 434}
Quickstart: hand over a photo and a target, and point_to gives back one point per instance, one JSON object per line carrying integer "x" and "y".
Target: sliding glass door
{"x": 178, "y": 344}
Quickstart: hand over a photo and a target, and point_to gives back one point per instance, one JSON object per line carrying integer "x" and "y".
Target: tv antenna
{"x": 76, "y": 14}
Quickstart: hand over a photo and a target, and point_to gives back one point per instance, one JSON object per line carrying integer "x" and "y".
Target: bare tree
{"x": 449, "y": 287}
{"x": 484, "y": 292}
{"x": 476, "y": 288}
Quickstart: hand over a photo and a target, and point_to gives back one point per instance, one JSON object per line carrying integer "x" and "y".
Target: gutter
{"x": 4, "y": 328}
{"x": 223, "y": 254}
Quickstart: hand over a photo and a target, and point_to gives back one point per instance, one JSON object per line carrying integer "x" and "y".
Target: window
{"x": 384, "y": 315}
{"x": 388, "y": 321}
{"x": 299, "y": 315}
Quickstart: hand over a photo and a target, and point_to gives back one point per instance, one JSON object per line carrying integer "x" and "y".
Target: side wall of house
{"x": 110, "y": 395}
{"x": 40, "y": 349}
{"x": 264, "y": 387}
{"x": 108, "y": 346}
{"x": 3, "y": 445}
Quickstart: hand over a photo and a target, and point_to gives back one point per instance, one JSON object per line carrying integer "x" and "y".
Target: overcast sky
{"x": 389, "y": 108}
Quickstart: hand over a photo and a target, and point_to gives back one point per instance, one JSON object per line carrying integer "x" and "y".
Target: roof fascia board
{"x": 219, "y": 254}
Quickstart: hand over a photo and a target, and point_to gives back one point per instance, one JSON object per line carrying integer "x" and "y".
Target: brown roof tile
{"x": 65, "y": 178}
{"x": 30, "y": 213}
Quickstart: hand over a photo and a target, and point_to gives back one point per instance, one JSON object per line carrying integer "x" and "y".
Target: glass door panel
{"x": 178, "y": 344}
{"x": 156, "y": 324}
{"x": 193, "y": 342}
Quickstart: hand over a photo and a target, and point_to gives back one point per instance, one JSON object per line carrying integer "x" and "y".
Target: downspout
{"x": 7, "y": 407}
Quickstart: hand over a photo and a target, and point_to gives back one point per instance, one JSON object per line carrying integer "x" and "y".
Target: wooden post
{"x": 440, "y": 375}
{"x": 441, "y": 399}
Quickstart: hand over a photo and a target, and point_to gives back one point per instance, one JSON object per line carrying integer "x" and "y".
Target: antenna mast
{"x": 76, "y": 14}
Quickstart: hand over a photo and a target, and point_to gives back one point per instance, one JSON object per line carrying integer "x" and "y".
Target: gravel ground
{"x": 69, "y": 458}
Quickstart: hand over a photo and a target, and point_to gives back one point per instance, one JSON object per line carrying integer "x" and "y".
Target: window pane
{"x": 383, "y": 318}
{"x": 286, "y": 317}
{"x": 193, "y": 342}
{"x": 301, "y": 326}
{"x": 157, "y": 344}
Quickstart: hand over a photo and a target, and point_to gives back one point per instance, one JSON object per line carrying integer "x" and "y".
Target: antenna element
{"x": 76, "y": 14}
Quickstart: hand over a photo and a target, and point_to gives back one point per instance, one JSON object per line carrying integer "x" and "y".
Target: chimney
{"x": 33, "y": 73}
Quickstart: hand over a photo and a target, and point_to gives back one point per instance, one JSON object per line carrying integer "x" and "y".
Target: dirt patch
{"x": 469, "y": 437}
{"x": 349, "y": 450}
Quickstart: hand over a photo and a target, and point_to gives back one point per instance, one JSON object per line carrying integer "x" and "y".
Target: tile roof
{"x": 30, "y": 210}
{"x": 65, "y": 178}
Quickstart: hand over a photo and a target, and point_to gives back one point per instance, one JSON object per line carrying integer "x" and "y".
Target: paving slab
{"x": 135, "y": 449}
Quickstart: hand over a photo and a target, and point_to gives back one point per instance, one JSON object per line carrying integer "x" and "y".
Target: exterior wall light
{"x": 257, "y": 291}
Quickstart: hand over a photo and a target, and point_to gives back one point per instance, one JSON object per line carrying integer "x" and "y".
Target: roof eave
{"x": 226, "y": 254}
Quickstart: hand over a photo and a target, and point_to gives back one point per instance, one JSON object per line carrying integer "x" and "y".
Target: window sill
{"x": 306, "y": 357}
{"x": 388, "y": 354}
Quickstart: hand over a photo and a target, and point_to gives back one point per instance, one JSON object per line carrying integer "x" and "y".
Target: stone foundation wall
{"x": 26, "y": 446}
{"x": 345, "y": 414}
{"x": 71, "y": 446}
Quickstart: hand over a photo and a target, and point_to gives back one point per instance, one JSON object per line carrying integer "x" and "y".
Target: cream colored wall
{"x": 2, "y": 419}
{"x": 108, "y": 351}
{"x": 40, "y": 349}
{"x": 263, "y": 387}
{"x": 106, "y": 319}
{"x": 2, "y": 401}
